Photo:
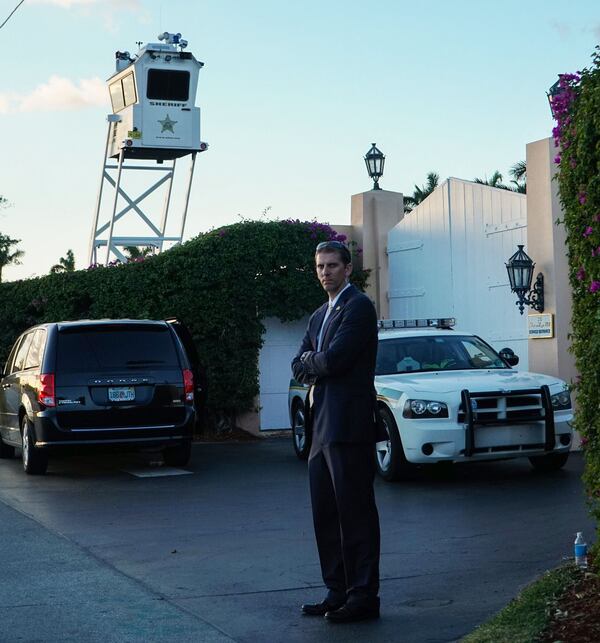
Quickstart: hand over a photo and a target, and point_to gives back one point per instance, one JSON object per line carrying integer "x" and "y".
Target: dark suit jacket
{"x": 342, "y": 373}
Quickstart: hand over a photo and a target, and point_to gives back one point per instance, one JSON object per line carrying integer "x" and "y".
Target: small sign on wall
{"x": 540, "y": 326}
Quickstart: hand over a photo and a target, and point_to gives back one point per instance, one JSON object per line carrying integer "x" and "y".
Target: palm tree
{"x": 137, "y": 252}
{"x": 65, "y": 264}
{"x": 6, "y": 256}
{"x": 421, "y": 193}
{"x": 495, "y": 181}
{"x": 519, "y": 177}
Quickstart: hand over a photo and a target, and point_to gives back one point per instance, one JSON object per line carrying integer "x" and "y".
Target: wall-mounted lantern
{"x": 375, "y": 160}
{"x": 520, "y": 273}
{"x": 551, "y": 94}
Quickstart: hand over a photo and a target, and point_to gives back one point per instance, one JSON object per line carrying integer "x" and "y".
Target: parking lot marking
{"x": 157, "y": 472}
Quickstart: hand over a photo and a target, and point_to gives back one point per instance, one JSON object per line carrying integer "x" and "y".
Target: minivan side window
{"x": 36, "y": 349}
{"x": 11, "y": 358}
{"x": 22, "y": 353}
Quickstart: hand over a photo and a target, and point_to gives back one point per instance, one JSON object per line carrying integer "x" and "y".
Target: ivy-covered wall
{"x": 576, "y": 108}
{"x": 220, "y": 284}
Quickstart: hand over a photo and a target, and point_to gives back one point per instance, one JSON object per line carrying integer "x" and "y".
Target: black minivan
{"x": 106, "y": 382}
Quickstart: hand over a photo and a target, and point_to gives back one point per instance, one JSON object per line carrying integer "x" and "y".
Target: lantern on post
{"x": 520, "y": 273}
{"x": 551, "y": 94}
{"x": 375, "y": 160}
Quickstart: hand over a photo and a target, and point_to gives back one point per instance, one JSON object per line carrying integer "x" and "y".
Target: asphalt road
{"x": 93, "y": 553}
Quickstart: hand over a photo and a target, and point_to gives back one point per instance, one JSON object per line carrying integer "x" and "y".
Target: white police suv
{"x": 448, "y": 396}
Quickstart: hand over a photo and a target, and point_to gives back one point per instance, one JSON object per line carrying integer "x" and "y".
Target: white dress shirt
{"x": 330, "y": 307}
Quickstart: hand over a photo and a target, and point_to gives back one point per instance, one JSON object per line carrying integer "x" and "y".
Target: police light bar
{"x": 442, "y": 322}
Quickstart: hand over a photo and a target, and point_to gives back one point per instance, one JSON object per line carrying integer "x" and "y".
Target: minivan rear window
{"x": 115, "y": 348}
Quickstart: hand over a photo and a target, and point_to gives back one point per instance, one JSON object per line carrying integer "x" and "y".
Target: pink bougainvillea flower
{"x": 557, "y": 159}
{"x": 581, "y": 273}
{"x": 588, "y": 231}
{"x": 594, "y": 286}
{"x": 584, "y": 441}
{"x": 582, "y": 198}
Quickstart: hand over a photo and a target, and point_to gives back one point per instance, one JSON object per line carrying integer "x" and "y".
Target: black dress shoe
{"x": 354, "y": 611}
{"x": 320, "y": 609}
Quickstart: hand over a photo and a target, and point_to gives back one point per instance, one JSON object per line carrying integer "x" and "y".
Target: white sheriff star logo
{"x": 167, "y": 125}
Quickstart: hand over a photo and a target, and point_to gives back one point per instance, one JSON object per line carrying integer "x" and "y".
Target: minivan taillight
{"x": 188, "y": 385}
{"x": 46, "y": 390}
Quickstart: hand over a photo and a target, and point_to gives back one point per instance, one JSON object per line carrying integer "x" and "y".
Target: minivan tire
{"x": 35, "y": 461}
{"x": 178, "y": 456}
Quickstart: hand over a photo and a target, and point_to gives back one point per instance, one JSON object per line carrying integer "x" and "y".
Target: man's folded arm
{"x": 299, "y": 368}
{"x": 347, "y": 344}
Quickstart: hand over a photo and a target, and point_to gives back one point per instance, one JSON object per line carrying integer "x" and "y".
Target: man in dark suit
{"x": 337, "y": 358}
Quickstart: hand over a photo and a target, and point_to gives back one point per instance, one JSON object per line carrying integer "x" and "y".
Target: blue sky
{"x": 292, "y": 96}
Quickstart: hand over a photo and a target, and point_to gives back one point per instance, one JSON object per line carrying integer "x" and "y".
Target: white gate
{"x": 447, "y": 259}
{"x": 281, "y": 342}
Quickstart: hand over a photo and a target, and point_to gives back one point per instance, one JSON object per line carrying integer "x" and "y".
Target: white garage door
{"x": 282, "y": 341}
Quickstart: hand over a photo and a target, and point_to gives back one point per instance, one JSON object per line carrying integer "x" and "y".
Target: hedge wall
{"x": 220, "y": 284}
{"x": 576, "y": 108}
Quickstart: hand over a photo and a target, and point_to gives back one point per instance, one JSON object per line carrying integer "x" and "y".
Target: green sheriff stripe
{"x": 390, "y": 393}
{"x": 295, "y": 384}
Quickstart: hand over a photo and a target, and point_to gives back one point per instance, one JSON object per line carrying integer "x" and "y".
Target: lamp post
{"x": 520, "y": 273}
{"x": 375, "y": 160}
{"x": 551, "y": 94}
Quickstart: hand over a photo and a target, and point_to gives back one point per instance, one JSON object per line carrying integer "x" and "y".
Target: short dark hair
{"x": 335, "y": 246}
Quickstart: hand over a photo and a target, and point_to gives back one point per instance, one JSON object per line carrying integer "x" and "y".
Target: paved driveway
{"x": 91, "y": 552}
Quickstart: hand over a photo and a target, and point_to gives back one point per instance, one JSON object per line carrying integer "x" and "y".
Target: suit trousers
{"x": 345, "y": 517}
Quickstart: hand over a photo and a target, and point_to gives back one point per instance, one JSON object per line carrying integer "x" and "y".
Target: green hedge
{"x": 220, "y": 284}
{"x": 576, "y": 108}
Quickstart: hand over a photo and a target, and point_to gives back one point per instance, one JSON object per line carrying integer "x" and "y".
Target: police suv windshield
{"x": 434, "y": 353}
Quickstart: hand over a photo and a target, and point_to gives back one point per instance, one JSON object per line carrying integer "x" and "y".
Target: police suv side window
{"x": 36, "y": 349}
{"x": 22, "y": 353}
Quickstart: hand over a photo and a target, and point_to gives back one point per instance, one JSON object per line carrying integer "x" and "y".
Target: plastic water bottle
{"x": 580, "y": 547}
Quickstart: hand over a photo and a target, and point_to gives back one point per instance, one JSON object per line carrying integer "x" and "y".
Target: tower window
{"x": 168, "y": 84}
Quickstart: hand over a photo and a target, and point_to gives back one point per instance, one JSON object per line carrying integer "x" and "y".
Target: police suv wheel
{"x": 301, "y": 437}
{"x": 550, "y": 462}
{"x": 390, "y": 460}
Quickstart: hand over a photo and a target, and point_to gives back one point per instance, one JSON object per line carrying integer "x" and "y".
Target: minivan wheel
{"x": 6, "y": 451}
{"x": 178, "y": 456}
{"x": 35, "y": 461}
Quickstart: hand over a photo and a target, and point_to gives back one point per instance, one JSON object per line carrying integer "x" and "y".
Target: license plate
{"x": 121, "y": 394}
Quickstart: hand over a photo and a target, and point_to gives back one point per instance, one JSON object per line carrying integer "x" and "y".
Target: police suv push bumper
{"x": 472, "y": 415}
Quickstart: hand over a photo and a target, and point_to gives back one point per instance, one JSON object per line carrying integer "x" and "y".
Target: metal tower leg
{"x": 114, "y": 211}
{"x": 92, "y": 252}
{"x": 187, "y": 195}
{"x": 165, "y": 214}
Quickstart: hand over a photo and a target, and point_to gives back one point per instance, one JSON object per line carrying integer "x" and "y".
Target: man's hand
{"x": 305, "y": 361}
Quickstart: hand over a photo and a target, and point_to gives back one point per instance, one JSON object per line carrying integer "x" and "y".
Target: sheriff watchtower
{"x": 154, "y": 119}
